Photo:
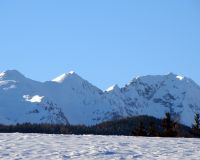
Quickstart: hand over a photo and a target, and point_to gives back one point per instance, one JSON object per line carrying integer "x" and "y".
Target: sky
{"x": 104, "y": 41}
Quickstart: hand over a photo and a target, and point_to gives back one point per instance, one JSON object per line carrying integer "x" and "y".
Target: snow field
{"x": 58, "y": 147}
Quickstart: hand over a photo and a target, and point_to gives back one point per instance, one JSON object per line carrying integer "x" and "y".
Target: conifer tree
{"x": 196, "y": 126}
{"x": 152, "y": 130}
{"x": 168, "y": 126}
{"x": 140, "y": 131}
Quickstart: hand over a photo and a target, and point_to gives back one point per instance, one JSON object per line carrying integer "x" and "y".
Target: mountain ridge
{"x": 77, "y": 101}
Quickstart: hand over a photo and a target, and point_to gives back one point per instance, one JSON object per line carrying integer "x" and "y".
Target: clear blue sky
{"x": 104, "y": 41}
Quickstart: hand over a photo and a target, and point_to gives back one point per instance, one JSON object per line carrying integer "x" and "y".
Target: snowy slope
{"x": 155, "y": 95}
{"x": 21, "y": 101}
{"x": 70, "y": 98}
{"x": 65, "y": 147}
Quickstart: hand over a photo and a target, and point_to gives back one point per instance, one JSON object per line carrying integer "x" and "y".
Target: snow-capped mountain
{"x": 70, "y": 99}
{"x": 20, "y": 101}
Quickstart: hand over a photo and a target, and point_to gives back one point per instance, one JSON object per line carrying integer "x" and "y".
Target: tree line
{"x": 169, "y": 128}
{"x": 131, "y": 126}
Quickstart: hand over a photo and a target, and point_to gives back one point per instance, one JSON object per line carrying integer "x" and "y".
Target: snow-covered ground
{"x": 39, "y": 146}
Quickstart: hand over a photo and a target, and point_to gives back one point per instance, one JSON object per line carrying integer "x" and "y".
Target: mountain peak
{"x": 69, "y": 75}
{"x": 11, "y": 75}
{"x": 171, "y": 74}
{"x": 72, "y": 72}
{"x": 113, "y": 88}
{"x": 175, "y": 76}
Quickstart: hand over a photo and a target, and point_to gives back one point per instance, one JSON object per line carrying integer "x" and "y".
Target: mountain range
{"x": 69, "y": 99}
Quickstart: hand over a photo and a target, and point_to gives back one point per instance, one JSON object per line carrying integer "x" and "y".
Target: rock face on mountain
{"x": 71, "y": 99}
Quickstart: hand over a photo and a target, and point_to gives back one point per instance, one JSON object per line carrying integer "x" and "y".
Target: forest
{"x": 131, "y": 126}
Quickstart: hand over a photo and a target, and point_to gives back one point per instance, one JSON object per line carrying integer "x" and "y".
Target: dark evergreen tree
{"x": 140, "y": 131}
{"x": 168, "y": 126}
{"x": 197, "y": 122}
{"x": 152, "y": 130}
{"x": 196, "y": 126}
